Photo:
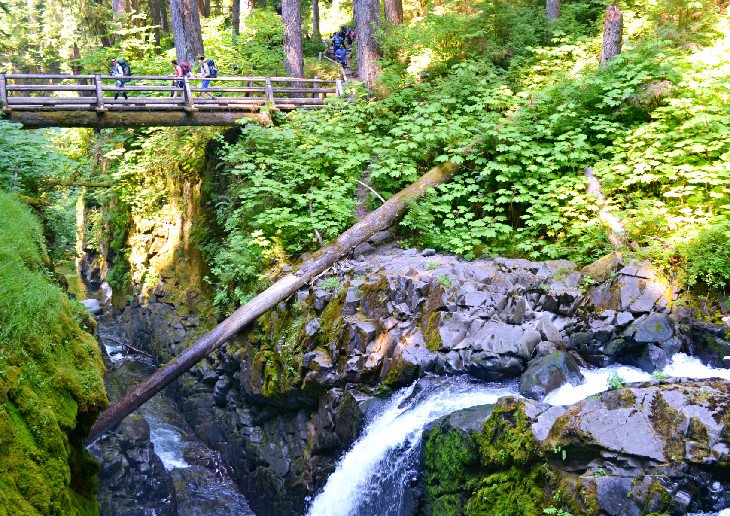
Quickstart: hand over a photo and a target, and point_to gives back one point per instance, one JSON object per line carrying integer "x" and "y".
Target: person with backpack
{"x": 341, "y": 56}
{"x": 182, "y": 69}
{"x": 337, "y": 41}
{"x": 208, "y": 71}
{"x": 120, "y": 69}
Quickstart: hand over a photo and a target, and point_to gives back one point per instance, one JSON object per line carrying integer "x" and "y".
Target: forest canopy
{"x": 520, "y": 82}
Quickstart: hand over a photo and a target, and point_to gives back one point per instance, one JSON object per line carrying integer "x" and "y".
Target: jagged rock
{"x": 548, "y": 331}
{"x": 545, "y": 374}
{"x": 132, "y": 478}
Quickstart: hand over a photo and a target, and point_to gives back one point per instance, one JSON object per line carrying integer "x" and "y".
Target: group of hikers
{"x": 345, "y": 36}
{"x": 207, "y": 70}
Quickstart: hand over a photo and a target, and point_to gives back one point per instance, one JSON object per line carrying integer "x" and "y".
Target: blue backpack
{"x": 212, "y": 68}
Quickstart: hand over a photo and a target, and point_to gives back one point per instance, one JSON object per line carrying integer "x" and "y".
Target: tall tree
{"x": 186, "y": 29}
{"x": 291, "y": 12}
{"x": 236, "y": 18}
{"x": 613, "y": 31}
{"x": 553, "y": 9}
{"x": 158, "y": 15}
{"x": 205, "y": 8}
{"x": 316, "y": 35}
{"x": 367, "y": 23}
{"x": 394, "y": 12}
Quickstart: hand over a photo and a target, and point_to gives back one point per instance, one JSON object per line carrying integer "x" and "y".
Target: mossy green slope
{"x": 51, "y": 379}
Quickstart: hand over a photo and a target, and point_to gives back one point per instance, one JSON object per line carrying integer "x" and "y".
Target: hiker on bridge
{"x": 182, "y": 69}
{"x": 208, "y": 71}
{"x": 120, "y": 69}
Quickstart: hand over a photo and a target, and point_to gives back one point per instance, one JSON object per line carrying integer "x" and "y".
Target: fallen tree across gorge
{"x": 380, "y": 219}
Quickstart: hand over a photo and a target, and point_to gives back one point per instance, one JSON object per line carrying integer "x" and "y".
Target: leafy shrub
{"x": 707, "y": 256}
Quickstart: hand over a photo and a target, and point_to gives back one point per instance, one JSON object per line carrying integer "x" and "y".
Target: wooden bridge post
{"x": 315, "y": 85}
{"x": 99, "y": 94}
{"x": 4, "y": 93}
{"x": 188, "y": 95}
{"x": 269, "y": 91}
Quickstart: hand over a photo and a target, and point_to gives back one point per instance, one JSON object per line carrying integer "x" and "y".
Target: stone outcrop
{"x": 284, "y": 400}
{"x": 653, "y": 448}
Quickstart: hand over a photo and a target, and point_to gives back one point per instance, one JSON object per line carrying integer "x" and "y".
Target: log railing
{"x": 38, "y": 92}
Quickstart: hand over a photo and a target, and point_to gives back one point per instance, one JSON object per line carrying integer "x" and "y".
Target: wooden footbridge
{"x": 39, "y": 100}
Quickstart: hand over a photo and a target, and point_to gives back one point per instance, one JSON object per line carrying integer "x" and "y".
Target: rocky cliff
{"x": 285, "y": 399}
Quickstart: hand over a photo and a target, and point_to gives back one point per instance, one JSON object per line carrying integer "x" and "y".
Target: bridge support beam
{"x": 107, "y": 119}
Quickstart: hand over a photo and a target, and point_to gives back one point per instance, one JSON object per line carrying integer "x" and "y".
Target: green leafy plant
{"x": 615, "y": 381}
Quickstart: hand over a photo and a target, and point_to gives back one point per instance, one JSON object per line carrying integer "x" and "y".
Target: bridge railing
{"x": 161, "y": 92}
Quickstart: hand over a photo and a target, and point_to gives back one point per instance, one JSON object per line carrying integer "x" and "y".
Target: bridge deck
{"x": 39, "y": 100}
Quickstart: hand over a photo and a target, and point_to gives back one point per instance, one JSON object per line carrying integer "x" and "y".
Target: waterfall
{"x": 373, "y": 477}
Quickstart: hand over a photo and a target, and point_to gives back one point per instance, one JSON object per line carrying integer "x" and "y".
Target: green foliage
{"x": 707, "y": 256}
{"x": 615, "y": 382}
{"x": 51, "y": 384}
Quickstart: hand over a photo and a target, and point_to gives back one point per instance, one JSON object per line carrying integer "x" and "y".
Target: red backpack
{"x": 185, "y": 68}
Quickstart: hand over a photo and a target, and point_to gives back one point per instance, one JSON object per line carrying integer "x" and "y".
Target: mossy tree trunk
{"x": 613, "y": 31}
{"x": 380, "y": 219}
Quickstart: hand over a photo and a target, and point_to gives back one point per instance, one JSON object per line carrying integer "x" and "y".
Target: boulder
{"x": 547, "y": 373}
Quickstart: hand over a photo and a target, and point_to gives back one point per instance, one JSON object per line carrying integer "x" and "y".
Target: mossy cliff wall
{"x": 51, "y": 387}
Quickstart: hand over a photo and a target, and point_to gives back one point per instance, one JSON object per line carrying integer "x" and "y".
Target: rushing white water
{"x": 380, "y": 458}
{"x": 372, "y": 478}
{"x": 168, "y": 442}
{"x": 596, "y": 380}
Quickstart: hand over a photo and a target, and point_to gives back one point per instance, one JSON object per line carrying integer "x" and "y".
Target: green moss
{"x": 451, "y": 462}
{"x": 51, "y": 379}
{"x": 400, "y": 373}
{"x": 514, "y": 492}
{"x": 506, "y": 438}
{"x": 432, "y": 334}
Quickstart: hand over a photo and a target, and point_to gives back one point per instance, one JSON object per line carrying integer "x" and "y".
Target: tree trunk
{"x": 367, "y": 22}
{"x": 186, "y": 29}
{"x": 205, "y": 8}
{"x": 120, "y": 8}
{"x": 316, "y": 35}
{"x": 613, "y": 30}
{"x": 382, "y": 218}
{"x": 291, "y": 12}
{"x": 394, "y": 12}
{"x": 553, "y": 9}
{"x": 158, "y": 15}
{"x": 236, "y": 18}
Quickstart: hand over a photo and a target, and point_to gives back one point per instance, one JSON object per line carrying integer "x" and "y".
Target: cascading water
{"x": 596, "y": 380}
{"x": 373, "y": 477}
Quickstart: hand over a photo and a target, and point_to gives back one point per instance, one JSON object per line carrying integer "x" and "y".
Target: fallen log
{"x": 380, "y": 219}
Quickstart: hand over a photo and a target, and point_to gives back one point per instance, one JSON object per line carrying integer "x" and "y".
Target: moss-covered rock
{"x": 51, "y": 380}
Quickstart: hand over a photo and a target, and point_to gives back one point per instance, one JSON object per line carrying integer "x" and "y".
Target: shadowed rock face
{"x": 648, "y": 448}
